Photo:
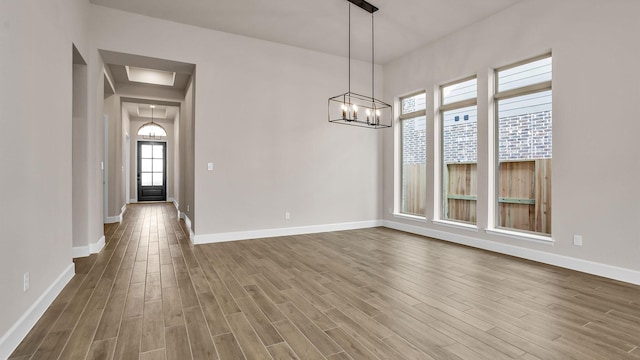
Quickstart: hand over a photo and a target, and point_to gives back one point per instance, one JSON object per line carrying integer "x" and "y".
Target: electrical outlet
{"x": 187, "y": 207}
{"x": 287, "y": 215}
{"x": 577, "y": 240}
{"x": 26, "y": 281}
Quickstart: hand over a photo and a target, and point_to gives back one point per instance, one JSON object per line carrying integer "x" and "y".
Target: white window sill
{"x": 457, "y": 225}
{"x": 410, "y": 217}
{"x": 521, "y": 236}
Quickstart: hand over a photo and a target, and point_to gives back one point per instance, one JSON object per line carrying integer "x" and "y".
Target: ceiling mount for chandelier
{"x": 355, "y": 109}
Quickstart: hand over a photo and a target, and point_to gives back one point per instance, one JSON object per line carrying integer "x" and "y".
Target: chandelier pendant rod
{"x": 349, "y": 47}
{"x": 373, "y": 78}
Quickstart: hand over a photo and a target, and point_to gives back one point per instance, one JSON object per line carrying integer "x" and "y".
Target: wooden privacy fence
{"x": 414, "y": 185}
{"x": 462, "y": 182}
{"x": 524, "y": 194}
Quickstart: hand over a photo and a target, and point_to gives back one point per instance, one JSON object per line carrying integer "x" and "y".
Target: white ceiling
{"x": 400, "y": 25}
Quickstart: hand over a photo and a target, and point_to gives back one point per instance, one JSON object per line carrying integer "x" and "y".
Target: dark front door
{"x": 152, "y": 171}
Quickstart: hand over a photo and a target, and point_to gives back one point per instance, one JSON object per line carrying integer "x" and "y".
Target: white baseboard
{"x": 133, "y": 201}
{"x": 112, "y": 219}
{"x": 187, "y": 221}
{"x": 586, "y": 266}
{"x": 93, "y": 248}
{"x": 97, "y": 246}
{"x": 116, "y": 219}
{"x": 12, "y": 338}
{"x": 80, "y": 251}
{"x": 175, "y": 203}
{"x": 265, "y": 233}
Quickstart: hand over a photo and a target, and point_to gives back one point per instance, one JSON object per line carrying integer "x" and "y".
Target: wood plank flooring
{"x": 363, "y": 294}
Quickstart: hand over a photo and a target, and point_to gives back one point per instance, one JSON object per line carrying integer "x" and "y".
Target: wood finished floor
{"x": 363, "y": 294}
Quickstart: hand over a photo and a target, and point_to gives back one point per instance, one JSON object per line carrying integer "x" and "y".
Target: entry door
{"x": 152, "y": 171}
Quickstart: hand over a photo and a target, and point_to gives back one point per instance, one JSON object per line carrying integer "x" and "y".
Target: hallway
{"x": 362, "y": 294}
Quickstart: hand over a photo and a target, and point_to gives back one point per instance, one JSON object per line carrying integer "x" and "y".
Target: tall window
{"x": 523, "y": 99}
{"x": 414, "y": 158}
{"x": 459, "y": 131}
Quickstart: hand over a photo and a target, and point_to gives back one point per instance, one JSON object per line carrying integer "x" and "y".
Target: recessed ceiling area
{"x": 161, "y": 113}
{"x": 160, "y": 82}
{"x": 400, "y": 25}
{"x": 150, "y": 76}
{"x": 147, "y": 73}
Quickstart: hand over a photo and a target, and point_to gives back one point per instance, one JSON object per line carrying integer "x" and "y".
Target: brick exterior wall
{"x": 461, "y": 142}
{"x": 525, "y": 137}
{"x": 414, "y": 141}
{"x": 522, "y": 137}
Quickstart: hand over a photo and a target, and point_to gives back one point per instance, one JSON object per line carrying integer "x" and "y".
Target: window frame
{"x": 401, "y": 118}
{"x": 412, "y": 114}
{"x": 502, "y": 95}
{"x": 442, "y": 108}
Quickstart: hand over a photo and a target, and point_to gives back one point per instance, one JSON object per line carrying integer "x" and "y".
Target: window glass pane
{"x": 146, "y": 179}
{"x": 531, "y": 73}
{"x": 145, "y": 151}
{"x": 524, "y": 155}
{"x": 460, "y": 91}
{"x": 414, "y": 166}
{"x": 146, "y": 165}
{"x": 157, "y": 179}
{"x": 151, "y": 130}
{"x": 157, "y": 151}
{"x": 525, "y": 127}
{"x": 459, "y": 171}
{"x": 414, "y": 103}
{"x": 460, "y": 135}
{"x": 158, "y": 165}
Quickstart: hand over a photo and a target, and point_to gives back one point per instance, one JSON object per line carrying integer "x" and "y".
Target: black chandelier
{"x": 356, "y": 109}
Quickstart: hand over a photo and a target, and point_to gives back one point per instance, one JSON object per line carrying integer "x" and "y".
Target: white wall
{"x": 176, "y": 161}
{"x": 79, "y": 147}
{"x": 35, "y": 152}
{"x": 186, "y": 153}
{"x": 595, "y": 112}
{"x": 261, "y": 119}
{"x": 114, "y": 163}
{"x": 128, "y": 195}
{"x": 95, "y": 151}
